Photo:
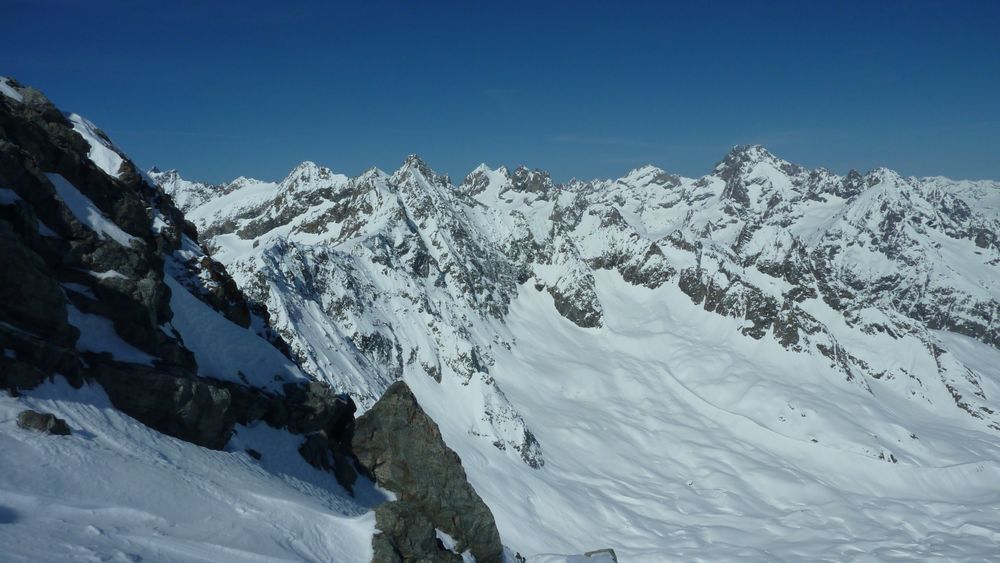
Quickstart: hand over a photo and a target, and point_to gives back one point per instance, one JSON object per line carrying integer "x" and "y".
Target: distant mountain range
{"x": 871, "y": 301}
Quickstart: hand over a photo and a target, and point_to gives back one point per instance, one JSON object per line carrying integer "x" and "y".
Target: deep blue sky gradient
{"x": 584, "y": 89}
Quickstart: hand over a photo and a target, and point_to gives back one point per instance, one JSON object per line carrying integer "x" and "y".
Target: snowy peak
{"x": 485, "y": 179}
{"x": 309, "y": 176}
{"x": 745, "y": 156}
{"x": 885, "y": 178}
{"x": 417, "y": 169}
{"x": 531, "y": 181}
{"x": 650, "y": 175}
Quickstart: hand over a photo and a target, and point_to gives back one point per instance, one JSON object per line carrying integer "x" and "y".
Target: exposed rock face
{"x": 401, "y": 447}
{"x": 407, "y": 535}
{"x": 43, "y": 422}
{"x": 188, "y": 408}
{"x": 60, "y": 252}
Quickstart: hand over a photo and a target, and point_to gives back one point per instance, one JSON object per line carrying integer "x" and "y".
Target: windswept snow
{"x": 7, "y": 90}
{"x": 670, "y": 437}
{"x": 102, "y": 153}
{"x": 224, "y": 350}
{"x": 97, "y": 334}
{"x": 87, "y": 213}
{"x": 116, "y": 490}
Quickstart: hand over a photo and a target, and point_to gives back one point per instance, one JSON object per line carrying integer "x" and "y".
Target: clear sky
{"x": 583, "y": 89}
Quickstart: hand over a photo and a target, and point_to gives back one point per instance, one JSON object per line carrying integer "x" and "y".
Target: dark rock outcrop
{"x": 193, "y": 410}
{"x": 402, "y": 449}
{"x": 406, "y": 534}
{"x": 43, "y": 422}
{"x": 204, "y": 411}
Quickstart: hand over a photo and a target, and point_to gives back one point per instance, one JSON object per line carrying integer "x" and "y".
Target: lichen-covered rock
{"x": 402, "y": 449}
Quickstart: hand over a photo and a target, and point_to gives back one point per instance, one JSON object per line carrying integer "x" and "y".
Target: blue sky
{"x": 583, "y": 89}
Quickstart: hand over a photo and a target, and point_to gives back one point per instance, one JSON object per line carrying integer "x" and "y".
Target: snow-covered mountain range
{"x": 841, "y": 329}
{"x": 378, "y": 276}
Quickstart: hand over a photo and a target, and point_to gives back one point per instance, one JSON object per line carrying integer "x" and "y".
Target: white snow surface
{"x": 87, "y": 213}
{"x": 670, "y": 437}
{"x": 97, "y": 334}
{"x": 7, "y": 90}
{"x": 103, "y": 153}
{"x": 115, "y": 490}
{"x": 225, "y": 350}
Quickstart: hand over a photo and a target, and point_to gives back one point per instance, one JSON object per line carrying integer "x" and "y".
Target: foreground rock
{"x": 402, "y": 449}
{"x": 43, "y": 422}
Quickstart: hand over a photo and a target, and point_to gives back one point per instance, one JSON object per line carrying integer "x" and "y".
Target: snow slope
{"x": 116, "y": 490}
{"x": 670, "y": 437}
{"x": 103, "y": 153}
{"x": 88, "y": 213}
{"x": 224, "y": 350}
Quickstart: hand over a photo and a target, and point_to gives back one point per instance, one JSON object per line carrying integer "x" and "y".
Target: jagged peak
{"x": 244, "y": 181}
{"x": 308, "y": 172}
{"x": 525, "y": 180}
{"x": 414, "y": 165}
{"x": 309, "y": 167}
{"x": 643, "y": 172}
{"x": 647, "y": 175}
{"x": 416, "y": 162}
{"x": 156, "y": 171}
{"x": 481, "y": 177}
{"x": 743, "y": 160}
{"x": 747, "y": 155}
{"x": 485, "y": 170}
{"x": 306, "y": 166}
{"x": 373, "y": 173}
{"x": 883, "y": 175}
